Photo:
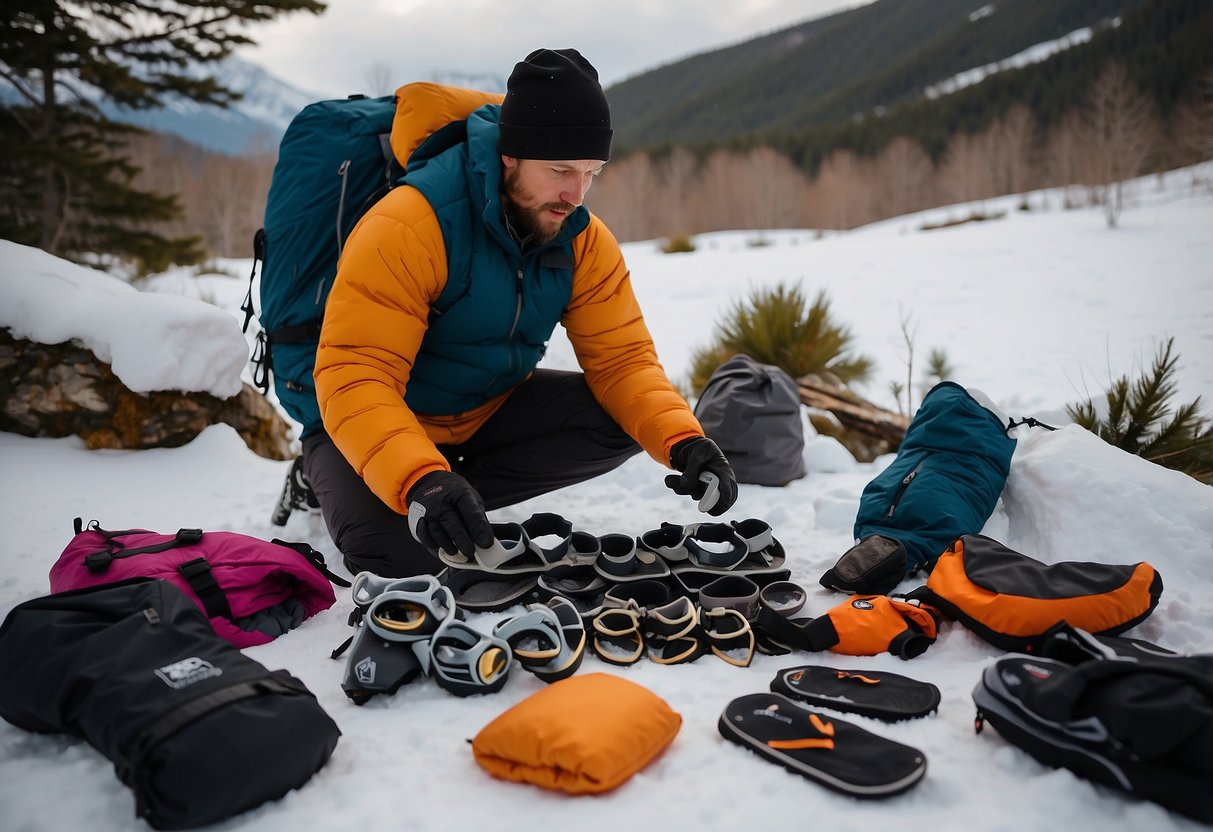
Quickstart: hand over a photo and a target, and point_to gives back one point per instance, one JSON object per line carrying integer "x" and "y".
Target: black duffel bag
{"x": 198, "y": 730}
{"x": 1117, "y": 711}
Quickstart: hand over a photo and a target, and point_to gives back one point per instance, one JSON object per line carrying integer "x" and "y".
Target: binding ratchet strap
{"x": 548, "y": 641}
{"x": 616, "y": 636}
{"x": 756, "y": 534}
{"x": 716, "y": 546}
{"x": 729, "y": 631}
{"x": 669, "y": 542}
{"x": 548, "y": 524}
{"x": 671, "y": 632}
{"x": 464, "y": 661}
{"x": 407, "y": 613}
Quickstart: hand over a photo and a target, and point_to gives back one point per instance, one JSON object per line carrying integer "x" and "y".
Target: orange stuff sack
{"x": 582, "y": 735}
{"x": 1012, "y": 600}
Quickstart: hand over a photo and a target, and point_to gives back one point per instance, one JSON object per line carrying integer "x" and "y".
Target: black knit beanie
{"x": 554, "y": 108}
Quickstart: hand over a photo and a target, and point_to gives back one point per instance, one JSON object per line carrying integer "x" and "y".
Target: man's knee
{"x": 386, "y": 549}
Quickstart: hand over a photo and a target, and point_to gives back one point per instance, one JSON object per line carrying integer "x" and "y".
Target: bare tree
{"x": 770, "y": 187}
{"x": 624, "y": 196}
{"x": 1066, "y": 159}
{"x": 1011, "y": 140}
{"x": 843, "y": 192}
{"x": 1123, "y": 132}
{"x": 1192, "y": 124}
{"x": 903, "y": 176}
{"x": 965, "y": 174}
{"x": 676, "y": 171}
{"x": 718, "y": 204}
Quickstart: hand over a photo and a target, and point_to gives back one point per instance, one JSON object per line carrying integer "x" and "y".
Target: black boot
{"x": 296, "y": 494}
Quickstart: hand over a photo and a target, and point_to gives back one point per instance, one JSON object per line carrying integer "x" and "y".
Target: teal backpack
{"x": 334, "y": 163}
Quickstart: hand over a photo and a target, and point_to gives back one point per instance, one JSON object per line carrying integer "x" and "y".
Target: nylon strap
{"x": 133, "y": 770}
{"x": 197, "y": 573}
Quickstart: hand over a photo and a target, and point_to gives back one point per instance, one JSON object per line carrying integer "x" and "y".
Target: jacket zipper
{"x": 517, "y": 317}
{"x": 905, "y": 483}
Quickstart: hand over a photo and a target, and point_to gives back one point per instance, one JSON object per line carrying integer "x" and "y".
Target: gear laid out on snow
{"x": 410, "y": 627}
{"x": 836, "y": 754}
{"x": 875, "y": 693}
{"x": 547, "y": 555}
{"x": 1128, "y": 715}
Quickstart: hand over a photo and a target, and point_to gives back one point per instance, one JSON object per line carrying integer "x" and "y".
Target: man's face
{"x": 540, "y": 195}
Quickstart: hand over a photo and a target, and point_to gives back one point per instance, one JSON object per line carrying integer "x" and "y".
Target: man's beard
{"x": 527, "y": 223}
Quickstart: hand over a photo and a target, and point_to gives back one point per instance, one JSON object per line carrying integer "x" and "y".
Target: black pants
{"x": 551, "y": 432}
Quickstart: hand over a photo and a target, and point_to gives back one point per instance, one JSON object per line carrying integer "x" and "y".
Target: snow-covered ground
{"x": 1037, "y": 310}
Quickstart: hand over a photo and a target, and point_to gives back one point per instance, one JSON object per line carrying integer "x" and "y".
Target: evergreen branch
{"x": 19, "y": 84}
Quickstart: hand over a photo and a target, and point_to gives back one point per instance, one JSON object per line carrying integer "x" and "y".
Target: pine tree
{"x": 778, "y": 326}
{"x": 1137, "y": 420}
{"x": 65, "y": 177}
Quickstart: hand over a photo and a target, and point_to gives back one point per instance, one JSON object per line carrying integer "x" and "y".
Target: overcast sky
{"x": 355, "y": 41}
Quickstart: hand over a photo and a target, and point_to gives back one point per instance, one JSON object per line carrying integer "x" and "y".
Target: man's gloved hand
{"x": 695, "y": 457}
{"x": 446, "y": 513}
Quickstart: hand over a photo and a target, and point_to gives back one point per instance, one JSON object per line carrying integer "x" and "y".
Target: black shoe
{"x": 296, "y": 494}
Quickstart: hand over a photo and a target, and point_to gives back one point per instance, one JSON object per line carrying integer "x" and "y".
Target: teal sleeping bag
{"x": 949, "y": 472}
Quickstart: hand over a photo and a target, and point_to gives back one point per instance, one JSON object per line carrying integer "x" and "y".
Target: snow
{"x": 153, "y": 341}
{"x": 1032, "y": 55}
{"x": 1036, "y": 310}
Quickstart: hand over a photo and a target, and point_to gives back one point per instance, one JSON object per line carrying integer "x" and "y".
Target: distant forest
{"x": 1134, "y": 98}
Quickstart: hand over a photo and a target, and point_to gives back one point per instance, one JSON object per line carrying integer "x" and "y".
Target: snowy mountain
{"x": 256, "y": 121}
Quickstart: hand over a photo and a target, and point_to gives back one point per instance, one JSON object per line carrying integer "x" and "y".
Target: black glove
{"x": 694, "y": 457}
{"x": 446, "y": 513}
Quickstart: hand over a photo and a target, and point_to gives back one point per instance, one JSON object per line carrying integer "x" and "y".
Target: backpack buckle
{"x": 189, "y": 535}
{"x": 98, "y": 561}
{"x": 194, "y": 568}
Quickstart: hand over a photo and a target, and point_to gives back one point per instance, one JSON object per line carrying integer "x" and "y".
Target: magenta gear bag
{"x": 251, "y": 590}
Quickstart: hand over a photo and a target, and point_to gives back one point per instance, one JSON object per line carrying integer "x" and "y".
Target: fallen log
{"x": 865, "y": 429}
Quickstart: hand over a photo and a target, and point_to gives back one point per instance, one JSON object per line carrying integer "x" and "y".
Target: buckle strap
{"x": 133, "y": 771}
{"x": 198, "y": 575}
{"x": 100, "y": 561}
{"x": 734, "y": 592}
{"x": 617, "y": 555}
{"x": 315, "y": 558}
{"x": 733, "y": 553}
{"x": 544, "y": 524}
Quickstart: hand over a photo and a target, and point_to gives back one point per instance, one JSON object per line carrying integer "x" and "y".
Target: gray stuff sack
{"x": 752, "y": 411}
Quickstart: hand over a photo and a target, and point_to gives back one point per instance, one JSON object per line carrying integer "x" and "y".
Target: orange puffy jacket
{"x": 394, "y": 267}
